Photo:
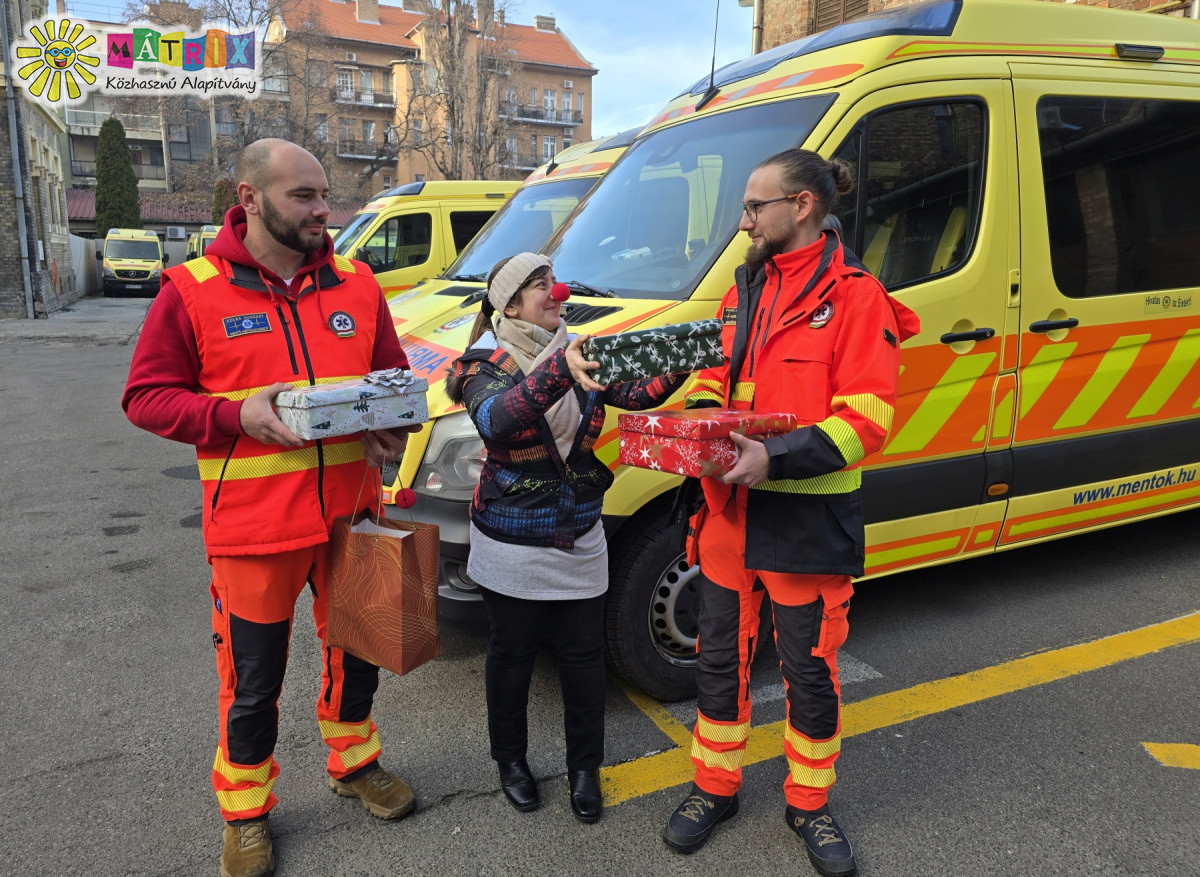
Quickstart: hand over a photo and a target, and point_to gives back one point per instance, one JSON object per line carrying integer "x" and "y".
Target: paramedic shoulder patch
{"x": 729, "y": 316}
{"x": 246, "y": 324}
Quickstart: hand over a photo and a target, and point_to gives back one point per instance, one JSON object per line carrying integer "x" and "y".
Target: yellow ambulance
{"x": 524, "y": 223}
{"x": 1027, "y": 179}
{"x": 198, "y": 241}
{"x": 131, "y": 262}
{"x": 414, "y": 231}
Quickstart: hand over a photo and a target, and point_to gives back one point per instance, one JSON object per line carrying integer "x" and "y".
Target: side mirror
{"x": 166, "y": 259}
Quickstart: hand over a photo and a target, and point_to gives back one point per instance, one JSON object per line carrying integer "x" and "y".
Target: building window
{"x": 566, "y": 102}
{"x": 510, "y": 148}
{"x": 368, "y": 131}
{"x": 387, "y": 181}
{"x": 548, "y": 148}
{"x": 345, "y": 84}
{"x": 549, "y": 96}
{"x": 417, "y": 72}
{"x": 177, "y": 133}
{"x": 366, "y": 81}
{"x": 833, "y": 12}
{"x": 533, "y": 97}
{"x": 418, "y": 178}
{"x": 345, "y": 129}
{"x": 321, "y": 129}
{"x": 418, "y": 131}
{"x": 510, "y": 94}
{"x": 567, "y": 138}
{"x": 579, "y": 101}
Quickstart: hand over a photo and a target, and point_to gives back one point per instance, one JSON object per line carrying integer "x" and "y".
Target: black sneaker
{"x": 694, "y": 820}
{"x": 828, "y": 848}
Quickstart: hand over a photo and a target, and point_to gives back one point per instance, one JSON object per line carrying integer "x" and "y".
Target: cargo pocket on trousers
{"x": 835, "y": 627}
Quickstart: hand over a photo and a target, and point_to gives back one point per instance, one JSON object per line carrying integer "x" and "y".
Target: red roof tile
{"x": 535, "y": 46}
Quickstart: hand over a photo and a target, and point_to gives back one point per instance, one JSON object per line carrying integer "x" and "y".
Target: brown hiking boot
{"x": 248, "y": 851}
{"x": 386, "y": 796}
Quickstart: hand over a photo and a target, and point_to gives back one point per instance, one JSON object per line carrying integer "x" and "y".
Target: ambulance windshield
{"x": 659, "y": 219}
{"x": 348, "y": 236}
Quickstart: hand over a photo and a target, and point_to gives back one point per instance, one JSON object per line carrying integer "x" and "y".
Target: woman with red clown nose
{"x": 537, "y": 543}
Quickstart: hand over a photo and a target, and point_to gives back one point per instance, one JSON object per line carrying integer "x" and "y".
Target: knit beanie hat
{"x": 509, "y": 279}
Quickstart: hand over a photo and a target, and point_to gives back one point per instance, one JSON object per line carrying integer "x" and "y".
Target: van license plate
{"x": 133, "y": 286}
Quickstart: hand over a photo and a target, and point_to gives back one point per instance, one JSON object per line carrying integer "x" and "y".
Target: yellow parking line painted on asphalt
{"x": 1185, "y": 755}
{"x": 658, "y": 714}
{"x": 621, "y": 782}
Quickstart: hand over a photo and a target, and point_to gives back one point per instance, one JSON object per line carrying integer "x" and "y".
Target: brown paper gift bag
{"x": 383, "y": 594}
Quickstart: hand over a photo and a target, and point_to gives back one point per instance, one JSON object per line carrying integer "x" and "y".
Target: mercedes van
{"x": 411, "y": 232}
{"x": 198, "y": 241}
{"x": 131, "y": 262}
{"x": 1026, "y": 179}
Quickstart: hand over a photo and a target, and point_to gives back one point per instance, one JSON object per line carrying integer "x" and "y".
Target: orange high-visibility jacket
{"x": 261, "y": 498}
{"x": 818, "y": 338}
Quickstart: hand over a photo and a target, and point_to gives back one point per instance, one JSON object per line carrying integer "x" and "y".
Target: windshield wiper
{"x": 470, "y": 278}
{"x": 584, "y": 289}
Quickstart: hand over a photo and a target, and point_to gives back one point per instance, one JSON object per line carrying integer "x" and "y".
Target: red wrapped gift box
{"x": 694, "y": 442}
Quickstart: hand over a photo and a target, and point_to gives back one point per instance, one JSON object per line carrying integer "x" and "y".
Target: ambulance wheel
{"x": 651, "y": 608}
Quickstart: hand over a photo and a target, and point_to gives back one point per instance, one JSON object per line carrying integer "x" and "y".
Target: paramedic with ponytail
{"x": 537, "y": 542}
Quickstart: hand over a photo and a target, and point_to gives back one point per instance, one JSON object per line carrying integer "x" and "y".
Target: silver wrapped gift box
{"x": 380, "y": 400}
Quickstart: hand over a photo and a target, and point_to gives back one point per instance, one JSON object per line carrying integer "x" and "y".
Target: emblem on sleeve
{"x": 342, "y": 324}
{"x": 822, "y": 315}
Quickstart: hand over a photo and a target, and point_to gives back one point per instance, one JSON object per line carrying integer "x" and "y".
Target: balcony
{"x": 523, "y": 161}
{"x": 141, "y": 171}
{"x": 87, "y": 123}
{"x": 347, "y": 148}
{"x": 534, "y": 113}
{"x": 83, "y": 168}
{"x": 383, "y": 101}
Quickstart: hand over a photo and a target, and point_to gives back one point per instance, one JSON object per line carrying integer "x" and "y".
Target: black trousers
{"x": 574, "y": 629}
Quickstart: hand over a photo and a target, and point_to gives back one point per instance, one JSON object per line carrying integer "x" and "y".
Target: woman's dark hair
{"x": 483, "y": 322}
{"x": 805, "y": 170}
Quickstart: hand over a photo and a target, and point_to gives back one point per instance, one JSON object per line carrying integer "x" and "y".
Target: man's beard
{"x": 285, "y": 234}
{"x": 758, "y": 254}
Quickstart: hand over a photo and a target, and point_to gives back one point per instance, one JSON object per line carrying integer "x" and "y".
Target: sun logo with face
{"x": 57, "y": 60}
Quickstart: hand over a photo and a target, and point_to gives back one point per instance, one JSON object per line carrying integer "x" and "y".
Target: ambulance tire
{"x": 651, "y": 608}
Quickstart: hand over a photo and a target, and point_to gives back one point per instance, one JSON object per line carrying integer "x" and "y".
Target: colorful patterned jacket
{"x": 527, "y": 493}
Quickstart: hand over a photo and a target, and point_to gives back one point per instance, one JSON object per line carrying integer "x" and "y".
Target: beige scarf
{"x": 530, "y": 346}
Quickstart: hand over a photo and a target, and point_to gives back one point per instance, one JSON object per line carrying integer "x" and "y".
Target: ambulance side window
{"x": 465, "y": 224}
{"x": 1121, "y": 192}
{"x": 918, "y": 186}
{"x": 399, "y": 242}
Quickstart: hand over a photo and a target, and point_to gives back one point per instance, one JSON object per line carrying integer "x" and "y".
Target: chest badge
{"x": 822, "y": 315}
{"x": 342, "y": 324}
{"x": 245, "y": 324}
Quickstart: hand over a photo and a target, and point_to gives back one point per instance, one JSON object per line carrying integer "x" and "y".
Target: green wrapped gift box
{"x": 654, "y": 352}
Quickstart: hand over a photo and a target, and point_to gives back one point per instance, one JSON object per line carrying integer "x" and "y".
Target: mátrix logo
{"x": 141, "y": 59}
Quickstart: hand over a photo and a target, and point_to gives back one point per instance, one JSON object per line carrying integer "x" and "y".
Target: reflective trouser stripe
{"x": 350, "y": 745}
{"x": 810, "y": 766}
{"x": 244, "y": 792}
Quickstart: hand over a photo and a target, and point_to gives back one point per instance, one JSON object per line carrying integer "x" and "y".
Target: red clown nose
{"x": 406, "y": 497}
{"x": 559, "y": 292}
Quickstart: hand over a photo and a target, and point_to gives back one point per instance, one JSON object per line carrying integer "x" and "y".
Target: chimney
{"x": 367, "y": 10}
{"x": 544, "y": 22}
{"x": 500, "y": 17}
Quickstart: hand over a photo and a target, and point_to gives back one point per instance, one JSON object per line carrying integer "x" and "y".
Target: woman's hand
{"x": 580, "y": 367}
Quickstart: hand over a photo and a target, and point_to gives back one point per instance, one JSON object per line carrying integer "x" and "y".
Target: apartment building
{"x": 371, "y": 73}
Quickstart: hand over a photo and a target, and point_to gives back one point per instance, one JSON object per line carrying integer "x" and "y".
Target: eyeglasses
{"x": 751, "y": 208}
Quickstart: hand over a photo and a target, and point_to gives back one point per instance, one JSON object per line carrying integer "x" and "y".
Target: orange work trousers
{"x": 810, "y": 620}
{"x": 254, "y": 598}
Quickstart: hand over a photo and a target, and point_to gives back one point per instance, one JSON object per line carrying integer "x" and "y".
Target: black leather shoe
{"x": 694, "y": 820}
{"x": 518, "y": 785}
{"x": 586, "y": 802}
{"x": 828, "y": 848}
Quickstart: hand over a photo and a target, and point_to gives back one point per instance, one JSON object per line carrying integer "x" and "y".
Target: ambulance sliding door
{"x": 930, "y": 216}
{"x": 1108, "y": 423}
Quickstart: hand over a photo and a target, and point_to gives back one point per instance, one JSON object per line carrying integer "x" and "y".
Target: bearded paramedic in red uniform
{"x": 806, "y": 330}
{"x": 267, "y": 307}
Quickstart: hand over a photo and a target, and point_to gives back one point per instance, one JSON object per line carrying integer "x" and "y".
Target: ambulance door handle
{"x": 973, "y": 335}
{"x": 1053, "y": 325}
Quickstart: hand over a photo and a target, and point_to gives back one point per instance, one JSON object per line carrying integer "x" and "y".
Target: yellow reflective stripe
{"x": 245, "y": 799}
{"x": 941, "y": 402}
{"x": 234, "y": 774}
{"x": 813, "y": 778}
{"x": 845, "y": 438}
{"x": 730, "y": 761}
{"x": 1167, "y": 381}
{"x": 704, "y": 395}
{"x": 201, "y": 269}
{"x": 709, "y": 384}
{"x": 841, "y": 481}
{"x": 743, "y": 391}
{"x": 869, "y": 406}
{"x": 738, "y": 733}
{"x": 331, "y": 730}
{"x": 236, "y": 395}
{"x": 343, "y": 264}
{"x": 280, "y": 462}
{"x": 1002, "y": 420}
{"x": 1113, "y": 368}
{"x": 360, "y": 753}
{"x": 1041, "y": 372}
{"x": 810, "y": 749}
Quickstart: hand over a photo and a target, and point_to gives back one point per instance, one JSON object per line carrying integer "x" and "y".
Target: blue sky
{"x": 647, "y": 51}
